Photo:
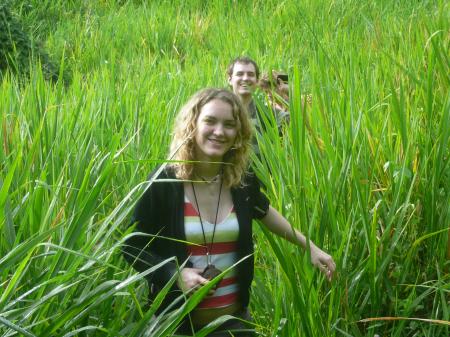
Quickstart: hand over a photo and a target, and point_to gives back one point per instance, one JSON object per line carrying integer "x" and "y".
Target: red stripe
{"x": 219, "y": 301}
{"x": 214, "y": 249}
{"x": 189, "y": 210}
{"x": 227, "y": 282}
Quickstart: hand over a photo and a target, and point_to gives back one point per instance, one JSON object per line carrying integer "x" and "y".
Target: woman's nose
{"x": 218, "y": 129}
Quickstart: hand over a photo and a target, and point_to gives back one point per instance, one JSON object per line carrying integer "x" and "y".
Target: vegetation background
{"x": 363, "y": 170}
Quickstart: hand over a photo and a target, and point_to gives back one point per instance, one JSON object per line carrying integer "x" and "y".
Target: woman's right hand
{"x": 191, "y": 279}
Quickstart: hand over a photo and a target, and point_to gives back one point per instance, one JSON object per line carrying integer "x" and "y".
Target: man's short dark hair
{"x": 244, "y": 60}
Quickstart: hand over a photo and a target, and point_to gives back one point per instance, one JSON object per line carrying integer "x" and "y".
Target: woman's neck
{"x": 207, "y": 170}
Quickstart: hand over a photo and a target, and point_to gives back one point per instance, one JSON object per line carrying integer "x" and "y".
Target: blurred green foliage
{"x": 18, "y": 50}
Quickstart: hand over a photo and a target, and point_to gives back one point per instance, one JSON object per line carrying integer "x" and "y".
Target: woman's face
{"x": 216, "y": 131}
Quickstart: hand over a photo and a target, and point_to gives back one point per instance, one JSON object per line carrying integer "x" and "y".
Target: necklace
{"x": 210, "y": 180}
{"x": 210, "y": 271}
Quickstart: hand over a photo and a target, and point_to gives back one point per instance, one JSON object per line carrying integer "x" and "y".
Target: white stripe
{"x": 221, "y": 261}
{"x": 193, "y": 227}
{"x": 232, "y": 288}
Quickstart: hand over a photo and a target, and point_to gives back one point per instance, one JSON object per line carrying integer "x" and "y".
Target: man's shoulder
{"x": 252, "y": 109}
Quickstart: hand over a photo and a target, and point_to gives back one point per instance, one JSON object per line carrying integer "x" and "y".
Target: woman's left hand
{"x": 323, "y": 261}
{"x": 276, "y": 223}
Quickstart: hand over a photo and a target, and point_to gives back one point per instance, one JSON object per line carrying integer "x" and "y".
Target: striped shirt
{"x": 223, "y": 252}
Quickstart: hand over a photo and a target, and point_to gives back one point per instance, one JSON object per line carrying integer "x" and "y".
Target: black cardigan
{"x": 160, "y": 211}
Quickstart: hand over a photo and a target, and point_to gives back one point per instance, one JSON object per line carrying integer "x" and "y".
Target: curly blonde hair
{"x": 182, "y": 148}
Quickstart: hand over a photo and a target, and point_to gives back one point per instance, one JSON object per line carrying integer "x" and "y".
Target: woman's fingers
{"x": 324, "y": 262}
{"x": 328, "y": 273}
{"x": 191, "y": 279}
{"x": 327, "y": 270}
{"x": 330, "y": 263}
{"x": 328, "y": 267}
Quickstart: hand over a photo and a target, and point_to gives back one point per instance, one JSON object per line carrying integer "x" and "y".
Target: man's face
{"x": 243, "y": 79}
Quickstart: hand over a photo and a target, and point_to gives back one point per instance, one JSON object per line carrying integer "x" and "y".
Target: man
{"x": 243, "y": 77}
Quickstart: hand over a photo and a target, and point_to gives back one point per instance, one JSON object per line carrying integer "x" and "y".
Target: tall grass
{"x": 363, "y": 170}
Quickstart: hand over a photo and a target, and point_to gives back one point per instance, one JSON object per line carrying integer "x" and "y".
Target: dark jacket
{"x": 161, "y": 211}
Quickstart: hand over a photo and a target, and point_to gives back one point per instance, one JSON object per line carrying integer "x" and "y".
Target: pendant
{"x": 211, "y": 272}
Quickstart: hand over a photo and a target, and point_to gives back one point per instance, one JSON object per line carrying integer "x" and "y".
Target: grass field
{"x": 363, "y": 170}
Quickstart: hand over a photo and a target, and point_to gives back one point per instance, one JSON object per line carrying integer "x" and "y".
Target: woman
{"x": 207, "y": 198}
